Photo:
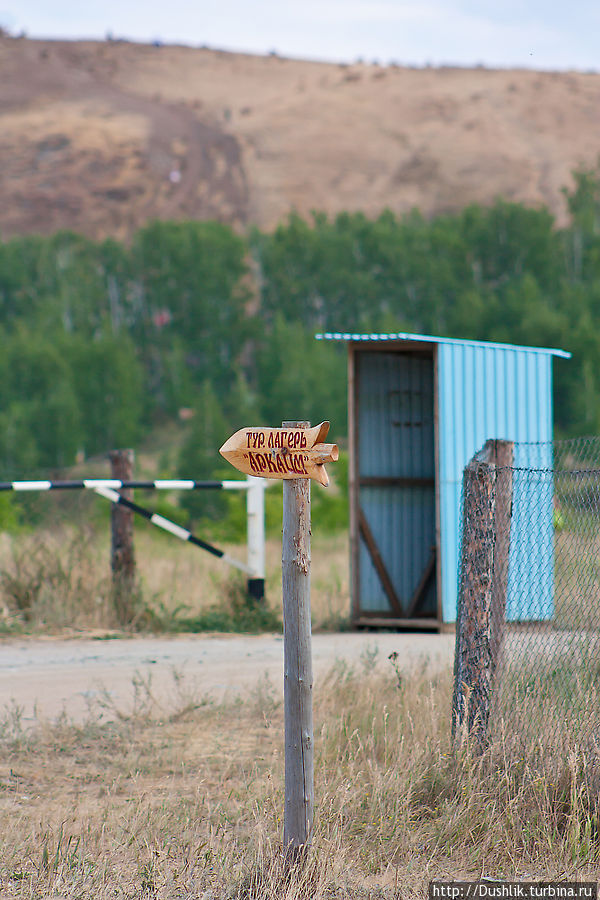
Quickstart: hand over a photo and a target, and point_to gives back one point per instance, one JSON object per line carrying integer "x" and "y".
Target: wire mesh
{"x": 527, "y": 663}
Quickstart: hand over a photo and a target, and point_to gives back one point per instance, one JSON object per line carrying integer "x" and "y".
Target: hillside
{"x": 102, "y": 136}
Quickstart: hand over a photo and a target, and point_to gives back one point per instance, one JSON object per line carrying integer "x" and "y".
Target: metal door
{"x": 396, "y": 485}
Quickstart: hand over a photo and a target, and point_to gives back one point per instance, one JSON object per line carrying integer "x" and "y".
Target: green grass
{"x": 235, "y": 612}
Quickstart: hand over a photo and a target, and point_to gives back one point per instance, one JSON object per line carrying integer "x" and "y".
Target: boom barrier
{"x": 255, "y": 513}
{"x": 166, "y": 524}
{"x": 116, "y": 484}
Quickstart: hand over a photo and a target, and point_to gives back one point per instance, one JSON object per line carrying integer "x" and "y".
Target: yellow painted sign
{"x": 281, "y": 452}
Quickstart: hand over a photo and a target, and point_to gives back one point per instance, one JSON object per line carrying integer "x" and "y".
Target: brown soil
{"x": 99, "y": 137}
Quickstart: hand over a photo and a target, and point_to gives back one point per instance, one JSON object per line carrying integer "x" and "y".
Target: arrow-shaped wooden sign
{"x": 281, "y": 452}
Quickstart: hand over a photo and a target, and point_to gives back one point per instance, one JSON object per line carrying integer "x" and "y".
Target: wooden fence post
{"x": 502, "y": 456}
{"x": 472, "y": 666}
{"x": 298, "y": 679}
{"x": 487, "y": 506}
{"x": 122, "y": 550}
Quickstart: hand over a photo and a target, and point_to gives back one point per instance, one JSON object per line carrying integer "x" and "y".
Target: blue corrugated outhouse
{"x": 419, "y": 408}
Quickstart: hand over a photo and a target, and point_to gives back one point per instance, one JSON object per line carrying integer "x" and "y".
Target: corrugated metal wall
{"x": 492, "y": 392}
{"x": 396, "y": 472}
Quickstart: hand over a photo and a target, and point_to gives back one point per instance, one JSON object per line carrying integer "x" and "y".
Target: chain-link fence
{"x": 527, "y": 663}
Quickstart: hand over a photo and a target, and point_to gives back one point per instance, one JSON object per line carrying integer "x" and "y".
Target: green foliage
{"x": 39, "y": 416}
{"x": 229, "y": 525}
{"x": 501, "y": 273}
{"x": 582, "y": 239}
{"x": 236, "y": 612}
{"x": 508, "y": 240}
{"x": 110, "y": 397}
{"x": 199, "y": 458}
{"x": 10, "y": 518}
{"x": 329, "y": 506}
{"x": 192, "y": 324}
{"x": 103, "y": 342}
{"x": 299, "y": 378}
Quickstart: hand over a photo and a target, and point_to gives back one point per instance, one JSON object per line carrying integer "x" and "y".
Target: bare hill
{"x": 101, "y": 136}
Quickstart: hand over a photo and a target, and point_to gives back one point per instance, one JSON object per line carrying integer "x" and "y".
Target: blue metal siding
{"x": 433, "y": 339}
{"x": 484, "y": 390}
{"x": 493, "y": 392}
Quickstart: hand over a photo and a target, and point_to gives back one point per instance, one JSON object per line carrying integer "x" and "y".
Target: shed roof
{"x": 429, "y": 339}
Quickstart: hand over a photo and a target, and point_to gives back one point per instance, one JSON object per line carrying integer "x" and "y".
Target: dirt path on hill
{"x": 46, "y": 676}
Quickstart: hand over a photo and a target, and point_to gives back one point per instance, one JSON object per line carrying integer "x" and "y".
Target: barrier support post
{"x": 255, "y": 512}
{"x": 122, "y": 549}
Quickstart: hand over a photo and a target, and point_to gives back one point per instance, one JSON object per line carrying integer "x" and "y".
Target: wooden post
{"x": 487, "y": 502}
{"x": 122, "y": 551}
{"x": 295, "y": 453}
{"x": 472, "y": 668}
{"x": 298, "y": 680}
{"x": 501, "y": 455}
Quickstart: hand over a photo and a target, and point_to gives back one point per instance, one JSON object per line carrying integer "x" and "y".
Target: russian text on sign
{"x": 281, "y": 452}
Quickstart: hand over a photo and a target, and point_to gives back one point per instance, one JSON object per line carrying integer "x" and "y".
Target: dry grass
{"x": 56, "y": 579}
{"x": 277, "y": 135}
{"x": 186, "y": 802}
{"x": 181, "y": 575}
{"x": 577, "y": 588}
{"x": 53, "y": 580}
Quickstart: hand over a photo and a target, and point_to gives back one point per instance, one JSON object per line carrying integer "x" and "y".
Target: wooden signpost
{"x": 288, "y": 452}
{"x": 294, "y": 453}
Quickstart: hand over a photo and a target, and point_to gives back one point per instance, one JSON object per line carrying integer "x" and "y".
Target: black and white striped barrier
{"x": 113, "y": 484}
{"x": 255, "y": 509}
{"x": 160, "y": 521}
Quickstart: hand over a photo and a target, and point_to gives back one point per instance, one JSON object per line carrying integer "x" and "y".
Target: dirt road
{"x": 47, "y": 676}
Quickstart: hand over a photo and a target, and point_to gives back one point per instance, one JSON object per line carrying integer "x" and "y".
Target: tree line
{"x": 103, "y": 341}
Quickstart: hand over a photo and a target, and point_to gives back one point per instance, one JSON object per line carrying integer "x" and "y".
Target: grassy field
{"x": 184, "y": 801}
{"x": 187, "y": 802}
{"x": 59, "y": 579}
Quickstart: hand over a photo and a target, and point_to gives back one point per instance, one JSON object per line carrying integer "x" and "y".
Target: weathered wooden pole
{"x": 472, "y": 666}
{"x": 487, "y": 502}
{"x": 501, "y": 454}
{"x": 122, "y": 550}
{"x": 298, "y": 679}
{"x": 295, "y": 453}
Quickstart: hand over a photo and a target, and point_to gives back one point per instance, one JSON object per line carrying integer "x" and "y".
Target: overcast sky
{"x": 544, "y": 34}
